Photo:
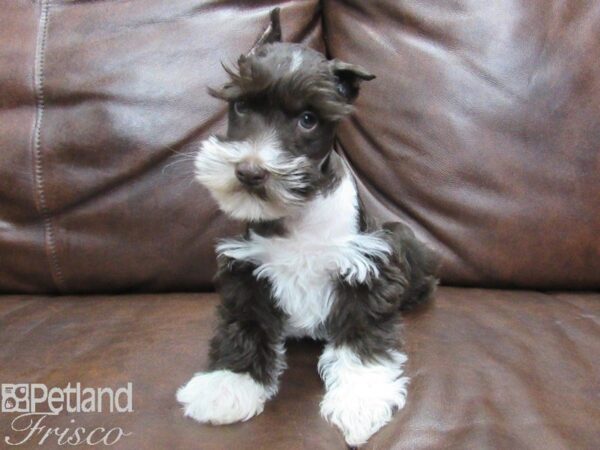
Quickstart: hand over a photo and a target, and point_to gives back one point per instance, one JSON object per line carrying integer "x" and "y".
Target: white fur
{"x": 296, "y": 61}
{"x": 215, "y": 168}
{"x": 223, "y": 397}
{"x": 280, "y": 366}
{"x": 322, "y": 242}
{"x": 360, "y": 398}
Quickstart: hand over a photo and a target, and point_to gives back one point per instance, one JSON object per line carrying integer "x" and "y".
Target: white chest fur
{"x": 322, "y": 243}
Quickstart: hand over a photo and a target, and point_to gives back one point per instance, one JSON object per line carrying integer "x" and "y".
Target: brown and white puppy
{"x": 311, "y": 263}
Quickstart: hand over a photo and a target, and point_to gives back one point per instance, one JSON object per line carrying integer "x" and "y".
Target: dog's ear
{"x": 349, "y": 77}
{"x": 271, "y": 34}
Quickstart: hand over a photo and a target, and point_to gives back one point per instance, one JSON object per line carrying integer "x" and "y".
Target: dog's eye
{"x": 308, "y": 121}
{"x": 240, "y": 107}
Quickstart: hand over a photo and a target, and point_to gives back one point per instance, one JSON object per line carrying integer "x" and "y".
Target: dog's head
{"x": 285, "y": 101}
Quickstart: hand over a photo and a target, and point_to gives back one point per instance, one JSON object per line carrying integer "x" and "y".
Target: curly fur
{"x": 311, "y": 262}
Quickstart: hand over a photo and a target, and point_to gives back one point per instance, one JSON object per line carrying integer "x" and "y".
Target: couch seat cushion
{"x": 489, "y": 369}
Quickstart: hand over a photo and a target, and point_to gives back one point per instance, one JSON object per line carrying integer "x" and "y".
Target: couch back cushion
{"x": 481, "y": 131}
{"x": 103, "y": 105}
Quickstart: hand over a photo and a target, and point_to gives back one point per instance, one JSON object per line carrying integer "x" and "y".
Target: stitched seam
{"x": 55, "y": 270}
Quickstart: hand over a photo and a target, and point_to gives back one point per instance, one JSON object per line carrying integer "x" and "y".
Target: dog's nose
{"x": 250, "y": 173}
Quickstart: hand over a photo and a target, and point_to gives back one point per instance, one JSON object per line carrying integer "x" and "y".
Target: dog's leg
{"x": 361, "y": 365}
{"x": 246, "y": 354}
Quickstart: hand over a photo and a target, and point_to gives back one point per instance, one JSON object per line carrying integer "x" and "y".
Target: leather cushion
{"x": 96, "y": 184}
{"x": 481, "y": 130}
{"x": 488, "y": 369}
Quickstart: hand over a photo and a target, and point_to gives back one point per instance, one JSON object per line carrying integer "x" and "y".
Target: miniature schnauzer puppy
{"x": 311, "y": 263}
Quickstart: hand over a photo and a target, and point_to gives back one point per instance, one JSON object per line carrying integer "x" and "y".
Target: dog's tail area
{"x": 419, "y": 263}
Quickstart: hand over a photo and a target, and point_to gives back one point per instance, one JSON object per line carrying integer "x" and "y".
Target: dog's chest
{"x": 301, "y": 273}
{"x": 303, "y": 265}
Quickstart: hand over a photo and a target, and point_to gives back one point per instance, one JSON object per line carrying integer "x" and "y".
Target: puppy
{"x": 311, "y": 263}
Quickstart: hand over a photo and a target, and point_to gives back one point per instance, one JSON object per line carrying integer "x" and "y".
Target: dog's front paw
{"x": 222, "y": 397}
{"x": 359, "y": 416}
{"x": 361, "y": 398}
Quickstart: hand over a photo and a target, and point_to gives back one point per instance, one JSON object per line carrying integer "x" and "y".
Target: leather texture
{"x": 103, "y": 106}
{"x": 489, "y": 370}
{"x": 481, "y": 131}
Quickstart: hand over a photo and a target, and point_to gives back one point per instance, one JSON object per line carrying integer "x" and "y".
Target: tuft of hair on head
{"x": 243, "y": 74}
{"x": 337, "y": 86}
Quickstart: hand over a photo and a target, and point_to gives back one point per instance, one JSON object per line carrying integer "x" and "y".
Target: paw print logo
{"x": 15, "y": 398}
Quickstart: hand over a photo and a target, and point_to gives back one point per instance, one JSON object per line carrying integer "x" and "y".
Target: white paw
{"x": 360, "y": 399}
{"x": 223, "y": 397}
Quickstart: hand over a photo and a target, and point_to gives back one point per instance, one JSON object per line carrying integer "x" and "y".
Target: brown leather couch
{"x": 482, "y": 131}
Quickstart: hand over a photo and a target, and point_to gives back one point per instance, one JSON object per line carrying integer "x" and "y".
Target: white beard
{"x": 215, "y": 168}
